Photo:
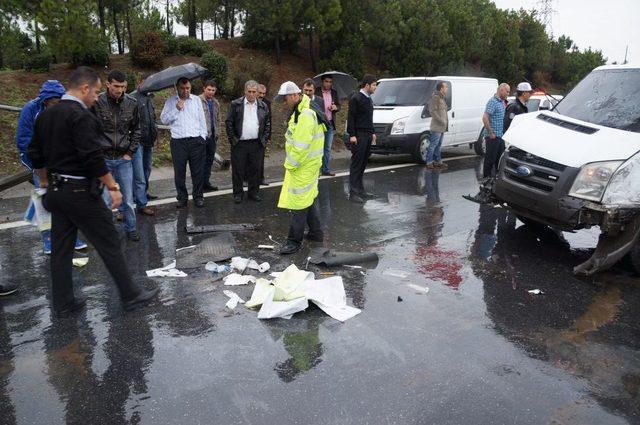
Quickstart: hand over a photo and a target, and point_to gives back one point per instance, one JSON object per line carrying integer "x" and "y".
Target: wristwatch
{"x": 115, "y": 188}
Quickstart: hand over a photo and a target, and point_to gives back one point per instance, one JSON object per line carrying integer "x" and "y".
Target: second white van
{"x": 401, "y": 112}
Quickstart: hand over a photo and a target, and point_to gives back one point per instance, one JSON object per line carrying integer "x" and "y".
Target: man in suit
{"x": 262, "y": 95}
{"x": 331, "y": 106}
{"x": 248, "y": 129}
{"x": 361, "y": 134}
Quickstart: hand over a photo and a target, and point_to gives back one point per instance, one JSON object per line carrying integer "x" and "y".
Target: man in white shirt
{"x": 184, "y": 114}
{"x": 248, "y": 130}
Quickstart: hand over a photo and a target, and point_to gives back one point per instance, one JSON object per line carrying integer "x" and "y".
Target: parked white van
{"x": 401, "y": 112}
{"x": 578, "y": 166}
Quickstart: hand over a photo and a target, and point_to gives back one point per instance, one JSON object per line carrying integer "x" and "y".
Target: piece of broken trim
{"x": 329, "y": 258}
{"x": 266, "y": 247}
{"x": 232, "y": 227}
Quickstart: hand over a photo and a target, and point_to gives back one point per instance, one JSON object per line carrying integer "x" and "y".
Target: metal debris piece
{"x": 233, "y": 227}
{"x": 217, "y": 248}
{"x": 327, "y": 257}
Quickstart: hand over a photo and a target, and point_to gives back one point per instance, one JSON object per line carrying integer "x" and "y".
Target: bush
{"x": 170, "y": 42}
{"x": 92, "y": 53}
{"x": 148, "y": 50}
{"x": 250, "y": 69}
{"x": 190, "y": 46}
{"x": 217, "y": 67}
{"x": 37, "y": 62}
{"x": 132, "y": 80}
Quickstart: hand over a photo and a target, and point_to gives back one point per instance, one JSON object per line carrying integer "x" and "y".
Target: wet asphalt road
{"x": 477, "y": 348}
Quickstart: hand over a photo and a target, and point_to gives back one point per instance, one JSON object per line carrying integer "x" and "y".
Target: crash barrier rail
{"x": 23, "y": 176}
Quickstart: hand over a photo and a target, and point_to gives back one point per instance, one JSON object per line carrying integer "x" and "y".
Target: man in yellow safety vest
{"x": 304, "y": 149}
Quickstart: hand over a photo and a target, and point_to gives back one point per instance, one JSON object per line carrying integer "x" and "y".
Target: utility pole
{"x": 546, "y": 11}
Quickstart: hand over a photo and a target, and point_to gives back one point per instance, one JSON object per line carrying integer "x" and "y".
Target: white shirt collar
{"x": 364, "y": 93}
{"x": 246, "y": 102}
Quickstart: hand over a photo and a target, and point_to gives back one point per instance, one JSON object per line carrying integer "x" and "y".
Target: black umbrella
{"x": 343, "y": 83}
{"x": 168, "y": 77}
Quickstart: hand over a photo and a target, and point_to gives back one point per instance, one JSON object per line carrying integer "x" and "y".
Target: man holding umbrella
{"x": 331, "y": 101}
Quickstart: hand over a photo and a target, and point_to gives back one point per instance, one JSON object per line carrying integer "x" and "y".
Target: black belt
{"x": 249, "y": 140}
{"x": 57, "y": 180}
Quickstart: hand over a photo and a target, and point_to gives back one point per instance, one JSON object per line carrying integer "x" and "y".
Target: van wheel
{"x": 420, "y": 153}
{"x": 634, "y": 257}
{"x": 478, "y": 146}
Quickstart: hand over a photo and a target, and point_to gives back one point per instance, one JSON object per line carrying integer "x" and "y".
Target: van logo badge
{"x": 524, "y": 171}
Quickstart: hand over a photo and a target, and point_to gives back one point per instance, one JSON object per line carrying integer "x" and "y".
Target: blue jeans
{"x": 435, "y": 143}
{"x": 326, "y": 157}
{"x": 147, "y": 157}
{"x": 122, "y": 171}
{"x": 139, "y": 181}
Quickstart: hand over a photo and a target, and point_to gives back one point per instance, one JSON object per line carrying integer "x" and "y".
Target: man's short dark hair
{"x": 182, "y": 80}
{"x": 210, "y": 83}
{"x": 440, "y": 85}
{"x": 83, "y": 75}
{"x": 309, "y": 82}
{"x": 368, "y": 79}
{"x": 325, "y": 76}
{"x": 116, "y": 75}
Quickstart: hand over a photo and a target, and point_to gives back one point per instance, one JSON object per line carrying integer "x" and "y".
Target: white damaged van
{"x": 401, "y": 112}
{"x": 578, "y": 166}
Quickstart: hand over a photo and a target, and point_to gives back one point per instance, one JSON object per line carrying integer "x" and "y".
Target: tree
{"x": 271, "y": 24}
{"x": 535, "y": 44}
{"x": 319, "y": 18}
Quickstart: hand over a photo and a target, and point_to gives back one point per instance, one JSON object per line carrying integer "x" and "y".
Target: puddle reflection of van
{"x": 401, "y": 112}
{"x": 578, "y": 166}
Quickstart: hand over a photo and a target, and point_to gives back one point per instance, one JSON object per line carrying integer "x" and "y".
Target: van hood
{"x": 388, "y": 114}
{"x": 568, "y": 146}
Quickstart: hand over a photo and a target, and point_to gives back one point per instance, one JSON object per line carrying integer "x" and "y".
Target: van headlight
{"x": 623, "y": 189}
{"x": 593, "y": 179}
{"x": 398, "y": 126}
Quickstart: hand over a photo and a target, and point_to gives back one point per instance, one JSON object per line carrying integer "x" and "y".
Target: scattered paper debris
{"x": 396, "y": 273}
{"x": 423, "y": 289}
{"x": 266, "y": 247}
{"x": 242, "y": 264}
{"x": 260, "y": 293}
{"x": 235, "y": 279}
{"x": 234, "y": 299}
{"x": 166, "y": 271}
{"x": 217, "y": 268}
{"x": 80, "y": 261}
{"x": 535, "y": 292}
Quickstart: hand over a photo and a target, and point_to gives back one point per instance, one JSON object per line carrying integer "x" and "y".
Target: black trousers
{"x": 246, "y": 162}
{"x": 493, "y": 151}
{"x": 72, "y": 207}
{"x": 210, "y": 156}
{"x": 309, "y": 216}
{"x": 190, "y": 150}
{"x": 359, "y": 158}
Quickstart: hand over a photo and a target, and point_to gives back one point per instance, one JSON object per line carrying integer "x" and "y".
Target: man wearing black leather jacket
{"x": 118, "y": 113}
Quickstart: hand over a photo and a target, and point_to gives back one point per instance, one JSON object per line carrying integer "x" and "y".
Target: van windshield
{"x": 403, "y": 92}
{"x": 610, "y": 97}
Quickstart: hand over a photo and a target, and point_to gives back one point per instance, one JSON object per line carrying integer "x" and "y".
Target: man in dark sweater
{"x": 361, "y": 134}
{"x": 68, "y": 159}
{"x": 519, "y": 105}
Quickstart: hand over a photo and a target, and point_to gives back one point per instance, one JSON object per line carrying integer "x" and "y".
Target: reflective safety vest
{"x": 304, "y": 148}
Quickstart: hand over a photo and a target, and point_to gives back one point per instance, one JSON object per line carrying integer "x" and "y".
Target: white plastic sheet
{"x": 241, "y": 264}
{"x": 234, "y": 299}
{"x": 166, "y": 271}
{"x": 36, "y": 214}
{"x": 235, "y": 279}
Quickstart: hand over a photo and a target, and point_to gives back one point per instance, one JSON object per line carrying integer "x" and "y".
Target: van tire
{"x": 478, "y": 146}
{"x": 634, "y": 258}
{"x": 420, "y": 152}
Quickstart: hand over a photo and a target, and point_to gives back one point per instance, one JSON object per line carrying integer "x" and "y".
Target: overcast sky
{"x": 602, "y": 25}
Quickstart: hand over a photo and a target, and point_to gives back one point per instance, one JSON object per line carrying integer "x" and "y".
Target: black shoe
{"x": 144, "y": 297}
{"x": 329, "y": 174}
{"x": 151, "y": 197}
{"x": 210, "y": 188}
{"x": 255, "y": 198}
{"x": 8, "y": 289}
{"x": 290, "y": 248}
{"x": 181, "y": 204}
{"x": 199, "y": 202}
{"x": 315, "y": 237}
{"x": 133, "y": 236}
{"x": 357, "y": 198}
{"x": 237, "y": 199}
{"x": 76, "y": 305}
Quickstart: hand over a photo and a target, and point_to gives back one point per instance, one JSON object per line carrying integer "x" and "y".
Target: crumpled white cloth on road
{"x": 235, "y": 279}
{"x": 234, "y": 299}
{"x": 293, "y": 289}
{"x": 241, "y": 264}
{"x": 166, "y": 271}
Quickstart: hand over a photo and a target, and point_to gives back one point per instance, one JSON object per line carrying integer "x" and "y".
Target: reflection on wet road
{"x": 476, "y": 348}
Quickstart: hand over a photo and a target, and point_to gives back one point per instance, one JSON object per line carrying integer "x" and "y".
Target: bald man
{"x": 493, "y": 120}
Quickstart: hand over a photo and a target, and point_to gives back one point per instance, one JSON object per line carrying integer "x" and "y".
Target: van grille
{"x": 524, "y": 156}
{"x": 544, "y": 176}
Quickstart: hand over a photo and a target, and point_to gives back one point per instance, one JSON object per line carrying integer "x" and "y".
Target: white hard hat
{"x": 288, "y": 87}
{"x": 524, "y": 87}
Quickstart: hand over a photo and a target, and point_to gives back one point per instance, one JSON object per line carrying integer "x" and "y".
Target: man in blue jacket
{"x": 50, "y": 94}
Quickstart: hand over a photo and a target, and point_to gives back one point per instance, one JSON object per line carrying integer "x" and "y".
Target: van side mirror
{"x": 425, "y": 111}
